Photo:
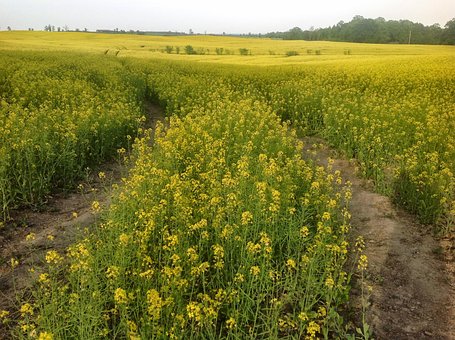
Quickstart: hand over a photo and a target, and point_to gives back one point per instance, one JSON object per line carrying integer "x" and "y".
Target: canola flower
{"x": 218, "y": 217}
{"x": 221, "y": 220}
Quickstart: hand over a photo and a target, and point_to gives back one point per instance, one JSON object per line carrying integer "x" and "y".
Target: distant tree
{"x": 58, "y": 29}
{"x": 189, "y": 49}
{"x": 53, "y": 28}
{"x": 448, "y": 35}
{"x": 295, "y": 33}
{"x": 9, "y": 28}
{"x": 435, "y": 34}
{"x": 200, "y": 51}
{"x": 86, "y": 30}
{"x": 169, "y": 49}
{"x": 291, "y": 53}
{"x": 66, "y": 28}
{"x": 191, "y": 31}
{"x": 378, "y": 30}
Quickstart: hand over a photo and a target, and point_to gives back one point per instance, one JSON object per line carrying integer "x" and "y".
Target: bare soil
{"x": 410, "y": 271}
{"x": 54, "y": 226}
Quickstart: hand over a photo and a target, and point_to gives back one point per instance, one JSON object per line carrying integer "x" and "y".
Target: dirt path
{"x": 32, "y": 233}
{"x": 411, "y": 273}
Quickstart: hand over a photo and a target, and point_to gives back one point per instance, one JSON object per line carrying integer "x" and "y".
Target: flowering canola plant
{"x": 59, "y": 114}
{"x": 221, "y": 230}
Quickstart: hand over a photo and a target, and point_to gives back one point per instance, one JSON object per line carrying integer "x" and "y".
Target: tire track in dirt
{"x": 411, "y": 273}
{"x": 54, "y": 227}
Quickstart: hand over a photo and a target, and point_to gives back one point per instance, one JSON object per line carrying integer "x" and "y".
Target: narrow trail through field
{"x": 411, "y": 273}
{"x": 57, "y": 225}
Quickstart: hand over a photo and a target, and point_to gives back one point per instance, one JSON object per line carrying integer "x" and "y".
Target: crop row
{"x": 60, "y": 113}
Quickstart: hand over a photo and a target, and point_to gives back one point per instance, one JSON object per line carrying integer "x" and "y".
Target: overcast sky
{"x": 234, "y": 16}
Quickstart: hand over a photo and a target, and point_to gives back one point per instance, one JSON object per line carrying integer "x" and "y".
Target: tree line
{"x": 378, "y": 30}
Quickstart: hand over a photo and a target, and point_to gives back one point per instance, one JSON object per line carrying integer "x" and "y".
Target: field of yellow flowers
{"x": 221, "y": 229}
{"x": 394, "y": 117}
{"x": 59, "y": 114}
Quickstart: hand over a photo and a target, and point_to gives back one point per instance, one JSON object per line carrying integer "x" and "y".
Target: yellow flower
{"x": 45, "y": 336}
{"x": 194, "y": 311}
{"x": 322, "y": 311}
{"x": 329, "y": 282}
{"x": 53, "y": 256}
{"x": 120, "y": 296}
{"x": 312, "y": 329}
{"x": 4, "y": 315}
{"x": 112, "y": 272}
{"x": 363, "y": 262}
{"x": 247, "y": 218}
{"x": 326, "y": 216}
{"x": 218, "y": 252}
{"x": 303, "y": 316}
{"x": 315, "y": 185}
{"x": 231, "y": 323}
{"x": 124, "y": 239}
{"x": 26, "y": 308}
{"x": 44, "y": 278}
{"x": 30, "y": 237}
{"x": 255, "y": 270}
{"x": 290, "y": 263}
{"x": 192, "y": 254}
{"x": 147, "y": 274}
{"x": 14, "y": 263}
{"x": 96, "y": 206}
{"x": 155, "y": 303}
{"x": 239, "y": 278}
{"x": 304, "y": 232}
{"x": 132, "y": 326}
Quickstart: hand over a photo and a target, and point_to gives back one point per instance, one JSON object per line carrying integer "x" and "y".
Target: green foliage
{"x": 378, "y": 31}
{"x": 292, "y": 53}
{"x": 244, "y": 51}
{"x": 189, "y": 49}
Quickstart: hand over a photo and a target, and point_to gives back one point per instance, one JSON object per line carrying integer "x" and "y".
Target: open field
{"x": 263, "y": 51}
{"x": 222, "y": 228}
